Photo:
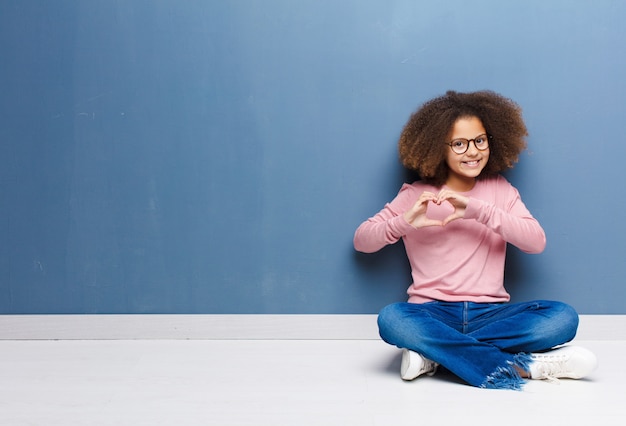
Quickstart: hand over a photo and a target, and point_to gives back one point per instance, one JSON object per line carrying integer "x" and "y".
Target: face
{"x": 465, "y": 168}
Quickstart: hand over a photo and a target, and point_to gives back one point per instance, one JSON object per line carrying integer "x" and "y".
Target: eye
{"x": 459, "y": 143}
{"x": 481, "y": 140}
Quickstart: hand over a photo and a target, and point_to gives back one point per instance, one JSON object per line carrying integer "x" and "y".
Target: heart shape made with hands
{"x": 418, "y": 215}
{"x": 458, "y": 211}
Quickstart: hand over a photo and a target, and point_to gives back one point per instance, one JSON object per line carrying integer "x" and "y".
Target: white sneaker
{"x": 414, "y": 365}
{"x": 571, "y": 362}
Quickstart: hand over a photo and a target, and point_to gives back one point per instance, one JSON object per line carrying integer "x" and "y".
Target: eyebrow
{"x": 467, "y": 139}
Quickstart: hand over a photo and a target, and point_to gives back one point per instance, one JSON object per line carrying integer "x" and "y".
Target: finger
{"x": 432, "y": 222}
{"x": 444, "y": 195}
{"x": 428, "y": 196}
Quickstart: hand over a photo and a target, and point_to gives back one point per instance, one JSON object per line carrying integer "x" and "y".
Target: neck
{"x": 460, "y": 184}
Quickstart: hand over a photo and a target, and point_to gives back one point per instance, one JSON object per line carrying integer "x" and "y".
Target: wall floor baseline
{"x": 234, "y": 327}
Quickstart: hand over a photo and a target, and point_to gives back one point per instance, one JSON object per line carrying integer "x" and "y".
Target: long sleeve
{"x": 515, "y": 225}
{"x": 386, "y": 227}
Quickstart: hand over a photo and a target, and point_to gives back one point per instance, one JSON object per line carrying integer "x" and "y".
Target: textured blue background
{"x": 162, "y": 156}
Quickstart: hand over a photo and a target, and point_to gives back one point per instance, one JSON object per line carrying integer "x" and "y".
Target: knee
{"x": 563, "y": 321}
{"x": 568, "y": 318}
{"x": 394, "y": 323}
{"x": 388, "y": 319}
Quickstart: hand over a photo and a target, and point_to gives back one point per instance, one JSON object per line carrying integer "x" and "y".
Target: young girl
{"x": 455, "y": 224}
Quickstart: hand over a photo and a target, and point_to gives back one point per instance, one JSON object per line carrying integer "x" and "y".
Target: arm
{"x": 516, "y": 225}
{"x": 513, "y": 223}
{"x": 388, "y": 225}
{"x": 385, "y": 228}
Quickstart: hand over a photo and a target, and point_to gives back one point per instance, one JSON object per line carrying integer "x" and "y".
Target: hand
{"x": 416, "y": 215}
{"x": 458, "y": 201}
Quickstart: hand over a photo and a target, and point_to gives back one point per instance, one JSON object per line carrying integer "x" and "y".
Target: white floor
{"x": 276, "y": 382}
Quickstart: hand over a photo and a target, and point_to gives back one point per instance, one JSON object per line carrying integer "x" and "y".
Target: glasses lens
{"x": 481, "y": 142}
{"x": 459, "y": 145}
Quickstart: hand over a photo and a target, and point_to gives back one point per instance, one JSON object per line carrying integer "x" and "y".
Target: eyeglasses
{"x": 461, "y": 145}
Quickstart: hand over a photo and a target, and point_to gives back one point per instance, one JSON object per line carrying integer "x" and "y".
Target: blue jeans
{"x": 481, "y": 343}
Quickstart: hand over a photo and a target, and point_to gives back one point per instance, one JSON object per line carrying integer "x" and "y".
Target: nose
{"x": 471, "y": 147}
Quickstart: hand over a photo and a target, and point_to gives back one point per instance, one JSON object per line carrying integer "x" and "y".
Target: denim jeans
{"x": 481, "y": 343}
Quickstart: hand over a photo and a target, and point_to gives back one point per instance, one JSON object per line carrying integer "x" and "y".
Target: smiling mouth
{"x": 473, "y": 163}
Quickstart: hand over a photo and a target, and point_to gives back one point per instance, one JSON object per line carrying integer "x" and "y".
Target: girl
{"x": 455, "y": 224}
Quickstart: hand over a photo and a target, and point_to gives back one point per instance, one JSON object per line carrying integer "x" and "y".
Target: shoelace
{"x": 429, "y": 367}
{"x": 550, "y": 367}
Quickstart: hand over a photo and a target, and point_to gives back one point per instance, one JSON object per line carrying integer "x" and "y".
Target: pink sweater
{"x": 463, "y": 261}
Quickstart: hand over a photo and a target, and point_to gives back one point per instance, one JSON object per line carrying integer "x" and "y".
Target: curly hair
{"x": 421, "y": 145}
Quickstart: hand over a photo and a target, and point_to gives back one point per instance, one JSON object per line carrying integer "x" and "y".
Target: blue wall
{"x": 162, "y": 156}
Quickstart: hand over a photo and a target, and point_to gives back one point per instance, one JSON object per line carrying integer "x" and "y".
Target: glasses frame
{"x": 487, "y": 135}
